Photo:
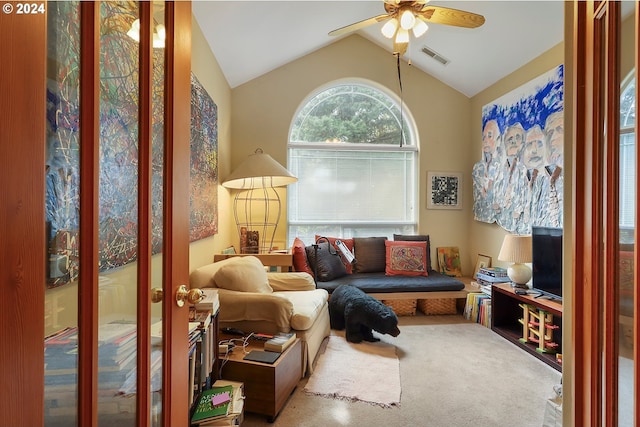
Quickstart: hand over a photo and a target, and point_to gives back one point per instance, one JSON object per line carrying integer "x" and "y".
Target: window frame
{"x": 410, "y": 144}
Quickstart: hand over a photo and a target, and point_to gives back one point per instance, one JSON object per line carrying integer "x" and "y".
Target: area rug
{"x": 367, "y": 372}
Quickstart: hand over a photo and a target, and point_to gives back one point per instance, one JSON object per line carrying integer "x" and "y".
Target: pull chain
{"x": 401, "y": 100}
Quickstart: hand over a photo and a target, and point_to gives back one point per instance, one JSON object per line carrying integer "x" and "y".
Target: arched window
{"x": 353, "y": 149}
{"x": 627, "y": 158}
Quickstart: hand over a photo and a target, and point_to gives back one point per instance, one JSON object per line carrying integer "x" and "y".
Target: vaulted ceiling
{"x": 251, "y": 38}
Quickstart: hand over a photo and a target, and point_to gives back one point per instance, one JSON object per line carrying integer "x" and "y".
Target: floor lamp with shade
{"x": 257, "y": 205}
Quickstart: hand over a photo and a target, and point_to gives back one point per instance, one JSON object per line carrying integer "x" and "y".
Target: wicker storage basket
{"x": 437, "y": 306}
{"x": 402, "y": 307}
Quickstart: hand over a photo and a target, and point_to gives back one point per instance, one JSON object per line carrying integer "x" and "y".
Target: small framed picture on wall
{"x": 444, "y": 190}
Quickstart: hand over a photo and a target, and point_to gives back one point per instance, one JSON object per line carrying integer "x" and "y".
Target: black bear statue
{"x": 359, "y": 314}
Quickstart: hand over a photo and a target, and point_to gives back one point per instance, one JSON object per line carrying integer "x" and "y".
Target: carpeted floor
{"x": 453, "y": 374}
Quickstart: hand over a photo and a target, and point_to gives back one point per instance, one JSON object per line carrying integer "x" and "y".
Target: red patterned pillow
{"x": 406, "y": 258}
{"x": 300, "y": 262}
{"x": 348, "y": 243}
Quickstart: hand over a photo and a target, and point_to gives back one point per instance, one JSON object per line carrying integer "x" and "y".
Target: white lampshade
{"x": 517, "y": 249}
{"x": 259, "y": 170}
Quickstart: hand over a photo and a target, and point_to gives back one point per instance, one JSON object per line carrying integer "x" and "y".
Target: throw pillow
{"x": 416, "y": 238}
{"x": 327, "y": 265}
{"x": 348, "y": 243}
{"x": 370, "y": 254}
{"x": 243, "y": 274}
{"x": 406, "y": 258}
{"x": 300, "y": 262}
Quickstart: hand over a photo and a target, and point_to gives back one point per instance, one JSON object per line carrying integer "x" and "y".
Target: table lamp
{"x": 517, "y": 249}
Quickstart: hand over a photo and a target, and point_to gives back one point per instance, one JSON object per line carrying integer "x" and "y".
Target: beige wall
{"x": 263, "y": 108}
{"x": 205, "y": 66}
{"x": 487, "y": 238}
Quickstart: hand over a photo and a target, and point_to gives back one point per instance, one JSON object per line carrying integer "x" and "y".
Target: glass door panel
{"x": 627, "y": 212}
{"x": 62, "y": 214}
{"x": 118, "y": 213}
{"x": 157, "y": 195}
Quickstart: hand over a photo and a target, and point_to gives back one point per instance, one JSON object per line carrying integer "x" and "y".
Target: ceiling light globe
{"x": 402, "y": 36}
{"x": 420, "y": 28}
{"x": 389, "y": 29}
{"x": 407, "y": 20}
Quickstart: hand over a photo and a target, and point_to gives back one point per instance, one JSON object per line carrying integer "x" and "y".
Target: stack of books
{"x": 235, "y": 415}
{"x": 280, "y": 342}
{"x": 221, "y": 405}
{"x": 478, "y": 308}
{"x": 487, "y": 276}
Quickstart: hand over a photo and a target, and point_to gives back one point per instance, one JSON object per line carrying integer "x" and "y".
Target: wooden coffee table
{"x": 267, "y": 386}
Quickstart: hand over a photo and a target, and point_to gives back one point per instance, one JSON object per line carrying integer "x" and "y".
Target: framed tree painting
{"x": 444, "y": 190}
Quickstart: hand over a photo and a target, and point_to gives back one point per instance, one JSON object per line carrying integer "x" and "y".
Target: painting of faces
{"x": 518, "y": 182}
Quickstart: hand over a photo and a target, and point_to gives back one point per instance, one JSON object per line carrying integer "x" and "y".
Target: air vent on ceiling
{"x": 435, "y": 55}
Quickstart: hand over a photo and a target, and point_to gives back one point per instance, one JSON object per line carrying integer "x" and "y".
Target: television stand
{"x": 505, "y": 321}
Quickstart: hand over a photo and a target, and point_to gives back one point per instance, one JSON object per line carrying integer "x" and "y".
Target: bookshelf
{"x": 505, "y": 315}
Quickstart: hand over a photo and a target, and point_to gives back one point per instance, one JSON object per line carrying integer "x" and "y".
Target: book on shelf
{"x": 481, "y": 277}
{"x": 213, "y": 404}
{"x": 476, "y": 308}
{"x": 210, "y": 300}
{"x": 280, "y": 342}
{"x": 493, "y": 271}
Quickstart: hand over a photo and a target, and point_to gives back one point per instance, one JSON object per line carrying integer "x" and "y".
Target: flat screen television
{"x": 546, "y": 248}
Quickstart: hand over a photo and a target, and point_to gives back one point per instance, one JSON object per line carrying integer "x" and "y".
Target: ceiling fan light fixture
{"x": 407, "y": 19}
{"x": 402, "y": 36}
{"x": 134, "y": 31}
{"x": 389, "y": 28}
{"x": 419, "y": 28}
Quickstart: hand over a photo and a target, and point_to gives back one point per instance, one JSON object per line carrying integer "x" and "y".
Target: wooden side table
{"x": 267, "y": 386}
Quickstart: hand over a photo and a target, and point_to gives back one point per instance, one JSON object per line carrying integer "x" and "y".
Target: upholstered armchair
{"x": 254, "y": 300}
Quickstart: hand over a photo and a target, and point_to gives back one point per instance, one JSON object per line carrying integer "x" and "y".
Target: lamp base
{"x": 519, "y": 274}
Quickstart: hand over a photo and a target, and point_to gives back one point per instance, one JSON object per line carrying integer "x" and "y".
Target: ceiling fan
{"x": 404, "y": 15}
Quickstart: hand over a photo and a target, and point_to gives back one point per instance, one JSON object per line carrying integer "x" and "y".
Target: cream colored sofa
{"x": 253, "y": 300}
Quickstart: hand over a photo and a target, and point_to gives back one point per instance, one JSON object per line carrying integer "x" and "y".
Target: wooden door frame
{"x": 175, "y": 404}
{"x": 23, "y": 51}
{"x": 594, "y": 289}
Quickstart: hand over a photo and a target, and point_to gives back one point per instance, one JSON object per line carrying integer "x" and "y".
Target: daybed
{"x": 253, "y": 300}
{"x": 398, "y": 270}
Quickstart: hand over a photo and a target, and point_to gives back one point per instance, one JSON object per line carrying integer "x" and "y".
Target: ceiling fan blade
{"x": 448, "y": 16}
{"x": 358, "y": 25}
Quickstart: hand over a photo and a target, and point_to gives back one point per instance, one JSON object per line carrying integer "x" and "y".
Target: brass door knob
{"x": 192, "y": 296}
{"x": 156, "y": 295}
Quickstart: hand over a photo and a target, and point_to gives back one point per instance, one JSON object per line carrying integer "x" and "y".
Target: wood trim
{"x": 610, "y": 335}
{"x": 145, "y": 119}
{"x": 582, "y": 39}
{"x": 175, "y": 404}
{"x": 636, "y": 273}
{"x": 89, "y": 170}
{"x": 23, "y": 49}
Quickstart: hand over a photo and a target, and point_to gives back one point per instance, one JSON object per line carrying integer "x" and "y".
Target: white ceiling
{"x": 251, "y": 38}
